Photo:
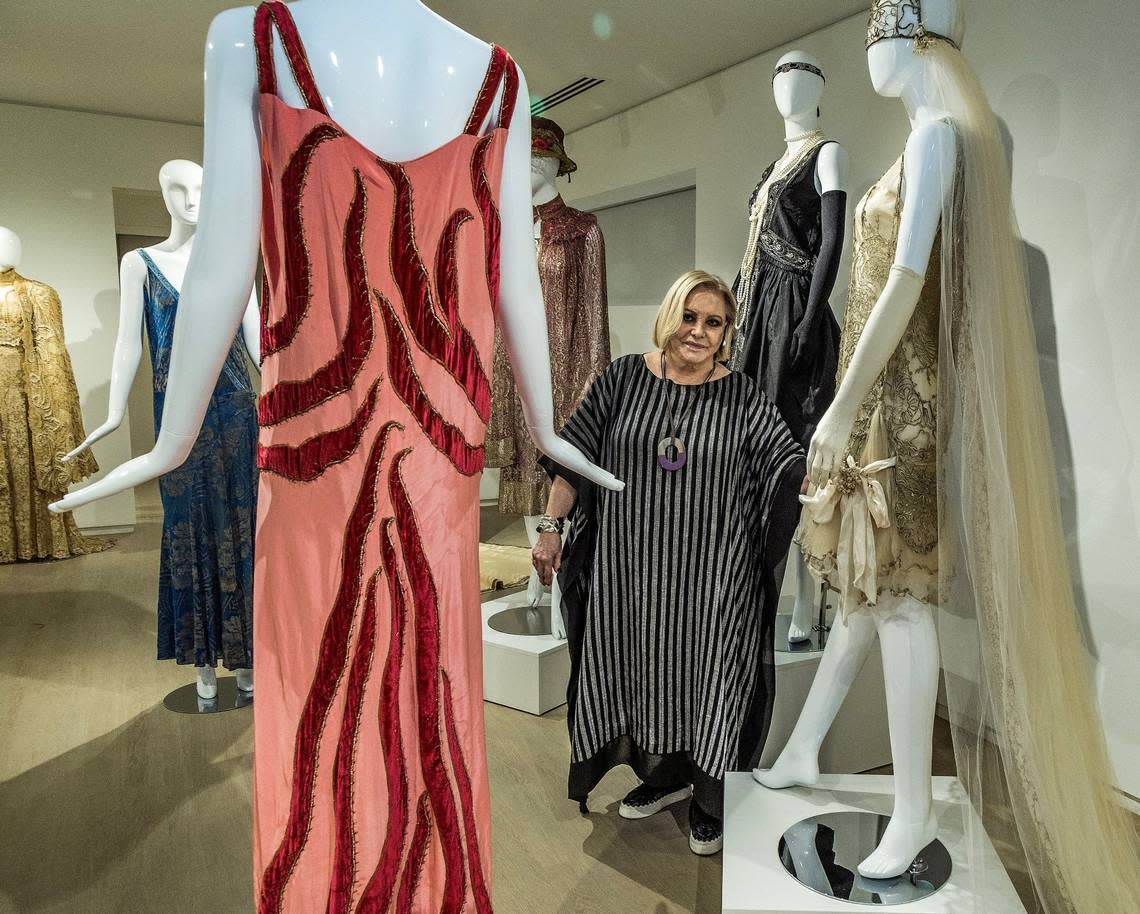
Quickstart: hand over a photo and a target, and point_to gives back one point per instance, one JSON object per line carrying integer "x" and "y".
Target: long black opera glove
{"x": 833, "y": 219}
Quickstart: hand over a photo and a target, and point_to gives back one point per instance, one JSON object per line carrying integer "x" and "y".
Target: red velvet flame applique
{"x": 268, "y": 14}
{"x": 486, "y": 96}
{"x": 448, "y": 343}
{"x": 291, "y": 398}
{"x": 467, "y": 801}
{"x": 312, "y": 457}
{"x": 492, "y": 227}
{"x": 298, "y": 271}
{"x": 427, "y": 689}
{"x": 344, "y": 857}
{"x": 378, "y": 893}
{"x": 465, "y": 457}
{"x": 331, "y": 660}
{"x": 414, "y": 868}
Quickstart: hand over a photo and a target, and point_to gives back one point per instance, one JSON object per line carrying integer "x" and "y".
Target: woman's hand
{"x": 829, "y": 445}
{"x": 547, "y": 556}
{"x": 566, "y": 455}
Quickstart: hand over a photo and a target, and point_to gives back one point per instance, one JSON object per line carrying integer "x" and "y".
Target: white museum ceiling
{"x": 143, "y": 58}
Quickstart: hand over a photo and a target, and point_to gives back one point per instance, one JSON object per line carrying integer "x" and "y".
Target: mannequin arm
{"x": 251, "y": 330}
{"x": 219, "y": 277}
{"x": 520, "y": 304}
{"x": 128, "y": 349}
{"x": 928, "y": 180}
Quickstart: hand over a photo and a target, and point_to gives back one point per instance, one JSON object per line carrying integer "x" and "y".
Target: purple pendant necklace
{"x": 671, "y": 451}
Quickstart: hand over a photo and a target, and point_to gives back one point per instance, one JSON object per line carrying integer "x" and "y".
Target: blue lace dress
{"x": 209, "y": 505}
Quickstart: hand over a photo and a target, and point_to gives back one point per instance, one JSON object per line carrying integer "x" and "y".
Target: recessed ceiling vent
{"x": 576, "y": 88}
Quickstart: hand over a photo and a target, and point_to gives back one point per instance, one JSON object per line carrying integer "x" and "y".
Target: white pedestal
{"x": 755, "y": 881}
{"x": 526, "y": 672}
{"x": 858, "y": 740}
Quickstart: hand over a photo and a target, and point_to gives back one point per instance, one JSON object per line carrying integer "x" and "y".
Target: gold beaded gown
{"x": 886, "y": 539}
{"x": 40, "y": 422}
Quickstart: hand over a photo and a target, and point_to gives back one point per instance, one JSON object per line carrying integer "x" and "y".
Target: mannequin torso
{"x": 401, "y": 82}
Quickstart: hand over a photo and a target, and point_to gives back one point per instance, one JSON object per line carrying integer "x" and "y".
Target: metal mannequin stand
{"x": 185, "y": 699}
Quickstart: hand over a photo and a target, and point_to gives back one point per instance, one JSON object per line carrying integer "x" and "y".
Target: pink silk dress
{"x": 381, "y": 284}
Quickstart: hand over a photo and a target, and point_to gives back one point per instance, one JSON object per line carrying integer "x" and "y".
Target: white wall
{"x": 57, "y": 172}
{"x": 1063, "y": 76}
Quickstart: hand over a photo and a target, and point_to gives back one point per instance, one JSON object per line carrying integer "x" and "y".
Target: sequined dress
{"x": 209, "y": 506}
{"x": 896, "y": 421}
{"x": 572, "y": 270}
{"x": 370, "y": 779}
{"x": 40, "y": 421}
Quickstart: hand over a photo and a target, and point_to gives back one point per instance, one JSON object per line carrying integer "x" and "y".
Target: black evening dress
{"x": 788, "y": 272}
{"x": 666, "y": 585}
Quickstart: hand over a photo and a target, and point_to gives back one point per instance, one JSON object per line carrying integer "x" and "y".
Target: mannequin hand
{"x": 170, "y": 451}
{"x": 101, "y": 432}
{"x": 829, "y": 445}
{"x": 800, "y": 338}
{"x": 546, "y": 557}
{"x": 565, "y": 454}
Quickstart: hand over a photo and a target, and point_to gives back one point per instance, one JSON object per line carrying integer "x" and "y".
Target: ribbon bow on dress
{"x": 863, "y": 508}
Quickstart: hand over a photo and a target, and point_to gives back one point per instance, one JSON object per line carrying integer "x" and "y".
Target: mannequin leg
{"x": 842, "y": 660}
{"x": 800, "y": 839}
{"x": 207, "y": 682}
{"x": 909, "y": 643}
{"x": 244, "y": 679}
{"x": 807, "y": 593}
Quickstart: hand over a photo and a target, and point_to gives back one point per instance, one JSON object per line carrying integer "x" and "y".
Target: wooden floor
{"x": 110, "y": 804}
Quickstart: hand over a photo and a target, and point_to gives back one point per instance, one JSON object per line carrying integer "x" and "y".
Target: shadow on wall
{"x": 91, "y": 356}
{"x": 1032, "y": 134}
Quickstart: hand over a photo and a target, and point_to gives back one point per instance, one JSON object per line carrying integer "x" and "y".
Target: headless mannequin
{"x": 181, "y": 184}
{"x": 797, "y": 94}
{"x": 906, "y": 627}
{"x": 544, "y": 188}
{"x": 402, "y": 81}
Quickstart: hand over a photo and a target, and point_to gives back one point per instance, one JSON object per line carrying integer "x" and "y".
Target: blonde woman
{"x": 667, "y": 585}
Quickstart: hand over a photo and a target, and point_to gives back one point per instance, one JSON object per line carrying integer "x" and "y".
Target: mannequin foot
{"x": 792, "y": 769}
{"x": 207, "y": 683}
{"x": 244, "y": 679}
{"x": 901, "y": 843}
{"x": 796, "y": 632}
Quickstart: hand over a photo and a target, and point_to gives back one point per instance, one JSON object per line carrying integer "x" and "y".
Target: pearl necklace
{"x": 811, "y": 134}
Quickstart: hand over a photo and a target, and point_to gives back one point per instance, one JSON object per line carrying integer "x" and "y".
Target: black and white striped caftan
{"x": 667, "y": 584}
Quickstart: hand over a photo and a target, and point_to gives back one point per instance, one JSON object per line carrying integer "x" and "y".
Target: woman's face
{"x": 703, "y": 325}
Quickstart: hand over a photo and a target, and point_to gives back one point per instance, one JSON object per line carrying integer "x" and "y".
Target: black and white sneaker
{"x": 706, "y": 833}
{"x": 645, "y": 801}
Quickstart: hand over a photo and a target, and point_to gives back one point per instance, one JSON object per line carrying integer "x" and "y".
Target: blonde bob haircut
{"x": 672, "y": 310}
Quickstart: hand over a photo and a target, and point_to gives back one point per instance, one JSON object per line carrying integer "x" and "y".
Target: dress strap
{"x": 501, "y": 69}
{"x": 275, "y": 13}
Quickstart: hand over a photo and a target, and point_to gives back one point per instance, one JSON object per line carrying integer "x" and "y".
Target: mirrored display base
{"x": 185, "y": 700}
{"x": 823, "y": 853}
{"x": 526, "y": 620}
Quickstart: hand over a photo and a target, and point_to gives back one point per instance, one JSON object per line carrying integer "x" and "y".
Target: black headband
{"x": 798, "y": 65}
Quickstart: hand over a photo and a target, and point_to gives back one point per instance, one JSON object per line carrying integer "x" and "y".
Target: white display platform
{"x": 858, "y": 740}
{"x": 526, "y": 672}
{"x": 755, "y": 881}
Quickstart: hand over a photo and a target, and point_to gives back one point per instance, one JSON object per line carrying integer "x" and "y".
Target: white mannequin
{"x": 401, "y": 82}
{"x": 906, "y": 628}
{"x": 797, "y": 94}
{"x": 11, "y": 253}
{"x": 181, "y": 183}
{"x": 544, "y": 188}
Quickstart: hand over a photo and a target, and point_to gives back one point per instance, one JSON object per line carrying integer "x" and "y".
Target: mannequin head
{"x": 181, "y": 183}
{"x": 797, "y": 91}
{"x": 893, "y": 63}
{"x": 11, "y": 251}
{"x": 543, "y": 173}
